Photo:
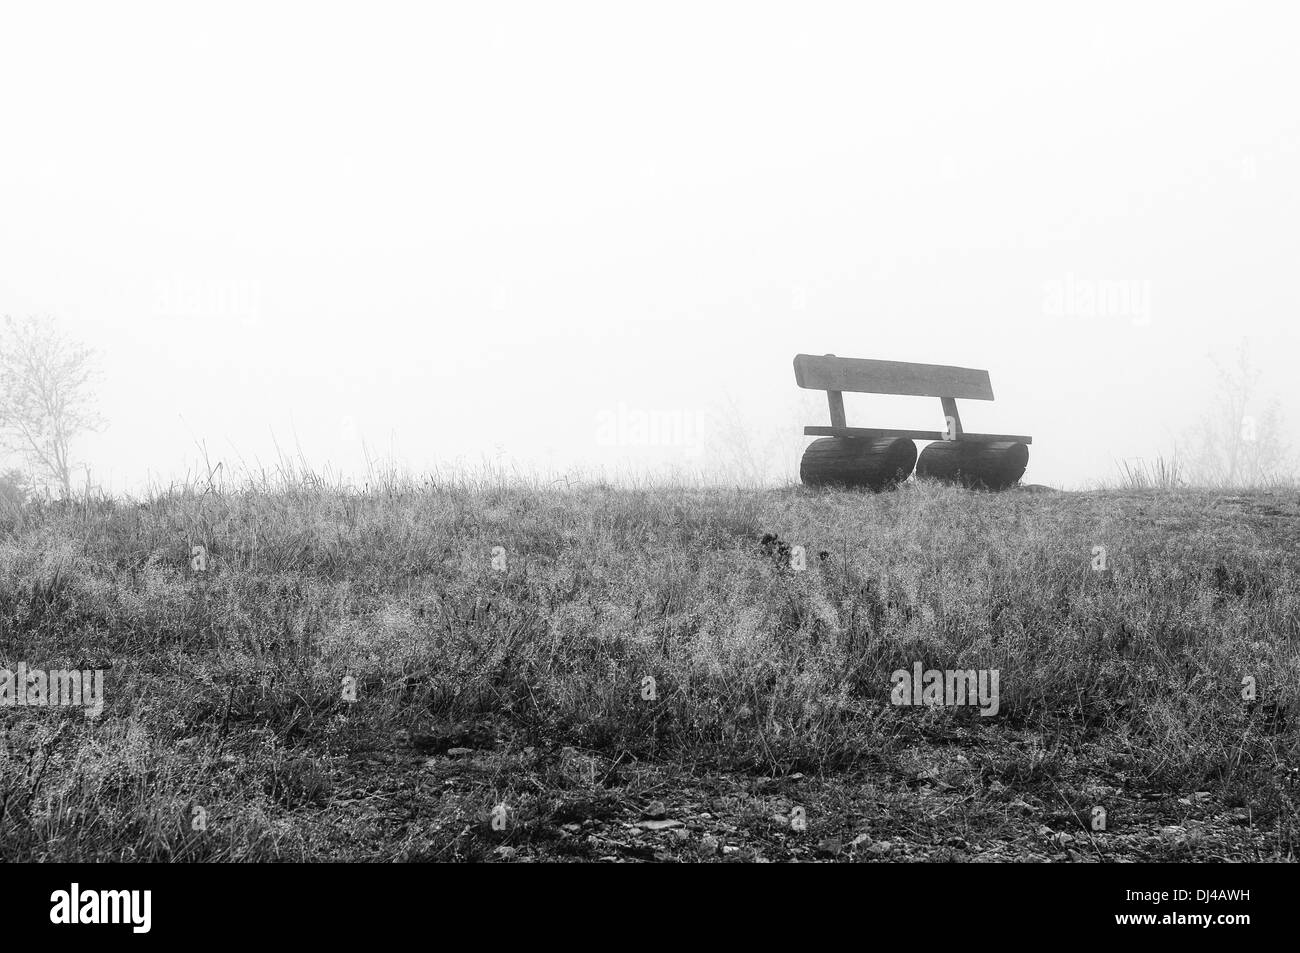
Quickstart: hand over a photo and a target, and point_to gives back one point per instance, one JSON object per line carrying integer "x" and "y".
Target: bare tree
{"x": 1238, "y": 442}
{"x": 46, "y": 396}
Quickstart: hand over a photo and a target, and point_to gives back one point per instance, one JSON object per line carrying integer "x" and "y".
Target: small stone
{"x": 880, "y": 847}
{"x": 830, "y": 846}
{"x": 659, "y": 825}
{"x": 459, "y": 752}
{"x": 731, "y": 849}
{"x": 656, "y": 810}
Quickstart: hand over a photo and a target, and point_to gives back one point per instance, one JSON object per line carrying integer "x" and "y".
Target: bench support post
{"x": 950, "y": 410}
{"x": 836, "y": 399}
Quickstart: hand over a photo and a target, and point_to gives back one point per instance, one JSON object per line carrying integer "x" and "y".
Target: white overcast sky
{"x": 462, "y": 231}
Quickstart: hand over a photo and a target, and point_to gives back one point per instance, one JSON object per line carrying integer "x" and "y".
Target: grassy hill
{"x": 637, "y": 674}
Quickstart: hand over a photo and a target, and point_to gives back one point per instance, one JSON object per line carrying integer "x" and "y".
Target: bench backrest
{"x": 859, "y": 375}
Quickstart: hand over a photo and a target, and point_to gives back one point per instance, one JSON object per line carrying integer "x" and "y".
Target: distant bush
{"x": 1239, "y": 442}
{"x": 13, "y": 487}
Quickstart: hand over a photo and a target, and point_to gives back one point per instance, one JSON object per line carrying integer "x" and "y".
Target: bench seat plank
{"x": 910, "y": 434}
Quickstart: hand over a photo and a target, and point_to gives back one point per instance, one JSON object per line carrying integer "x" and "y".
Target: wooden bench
{"x": 877, "y": 458}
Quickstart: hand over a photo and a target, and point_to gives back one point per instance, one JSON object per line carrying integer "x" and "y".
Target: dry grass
{"x": 224, "y": 688}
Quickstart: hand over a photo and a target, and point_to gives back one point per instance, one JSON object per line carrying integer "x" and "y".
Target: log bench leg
{"x": 991, "y": 466}
{"x": 875, "y": 464}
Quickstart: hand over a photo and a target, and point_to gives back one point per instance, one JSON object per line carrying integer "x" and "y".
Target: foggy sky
{"x": 561, "y": 235}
